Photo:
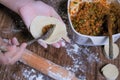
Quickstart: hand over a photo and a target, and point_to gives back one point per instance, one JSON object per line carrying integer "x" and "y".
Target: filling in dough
{"x": 59, "y": 32}
{"x": 46, "y": 28}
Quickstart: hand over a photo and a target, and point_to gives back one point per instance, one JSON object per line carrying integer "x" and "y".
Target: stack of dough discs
{"x": 110, "y": 72}
{"x": 40, "y": 21}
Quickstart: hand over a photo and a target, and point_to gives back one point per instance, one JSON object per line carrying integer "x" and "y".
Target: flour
{"x": 82, "y": 58}
{"x": 30, "y": 75}
{"x": 58, "y": 76}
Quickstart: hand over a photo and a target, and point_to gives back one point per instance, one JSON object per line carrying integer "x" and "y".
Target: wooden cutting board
{"x": 11, "y": 25}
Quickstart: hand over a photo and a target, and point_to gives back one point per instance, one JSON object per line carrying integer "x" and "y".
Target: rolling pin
{"x": 47, "y": 67}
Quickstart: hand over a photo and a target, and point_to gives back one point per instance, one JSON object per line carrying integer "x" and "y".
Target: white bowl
{"x": 89, "y": 40}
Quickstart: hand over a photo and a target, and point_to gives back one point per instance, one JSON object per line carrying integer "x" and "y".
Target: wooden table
{"x": 11, "y": 25}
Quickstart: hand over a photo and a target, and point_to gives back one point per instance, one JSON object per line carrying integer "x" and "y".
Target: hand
{"x": 37, "y": 8}
{"x": 13, "y": 54}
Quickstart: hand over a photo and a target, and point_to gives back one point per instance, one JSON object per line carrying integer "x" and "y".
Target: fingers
{"x": 59, "y": 44}
{"x": 15, "y": 41}
{"x": 18, "y": 54}
{"x": 12, "y": 47}
{"x": 13, "y": 55}
{"x": 11, "y": 51}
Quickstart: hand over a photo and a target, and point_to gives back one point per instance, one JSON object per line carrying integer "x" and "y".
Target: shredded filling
{"x": 90, "y": 19}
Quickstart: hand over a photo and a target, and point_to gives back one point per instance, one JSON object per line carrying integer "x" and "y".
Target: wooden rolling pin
{"x": 47, "y": 67}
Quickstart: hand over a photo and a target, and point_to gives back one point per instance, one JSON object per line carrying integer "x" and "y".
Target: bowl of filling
{"x": 88, "y": 19}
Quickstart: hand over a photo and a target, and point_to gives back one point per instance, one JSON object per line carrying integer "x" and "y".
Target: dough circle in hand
{"x": 115, "y": 50}
{"x": 110, "y": 72}
{"x": 40, "y": 21}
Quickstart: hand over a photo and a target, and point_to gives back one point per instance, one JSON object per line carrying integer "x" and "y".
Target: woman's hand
{"x": 13, "y": 54}
{"x": 29, "y": 9}
{"x": 37, "y": 8}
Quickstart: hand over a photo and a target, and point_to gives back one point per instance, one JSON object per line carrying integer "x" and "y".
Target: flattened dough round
{"x": 40, "y": 21}
{"x": 110, "y": 72}
{"x": 115, "y": 50}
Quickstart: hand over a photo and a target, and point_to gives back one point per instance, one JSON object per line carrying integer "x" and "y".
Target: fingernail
{"x": 15, "y": 41}
{"x": 63, "y": 44}
{"x": 24, "y": 45}
{"x": 14, "y": 38}
{"x": 57, "y": 46}
{"x": 43, "y": 44}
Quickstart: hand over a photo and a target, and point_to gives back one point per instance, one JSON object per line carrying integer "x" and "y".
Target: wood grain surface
{"x": 11, "y": 25}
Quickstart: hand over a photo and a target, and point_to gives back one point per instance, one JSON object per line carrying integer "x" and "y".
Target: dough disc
{"x": 110, "y": 72}
{"x": 115, "y": 50}
{"x": 40, "y": 21}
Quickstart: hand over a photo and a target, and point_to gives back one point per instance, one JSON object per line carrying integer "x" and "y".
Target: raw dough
{"x": 115, "y": 50}
{"x": 110, "y": 72}
{"x": 40, "y": 21}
